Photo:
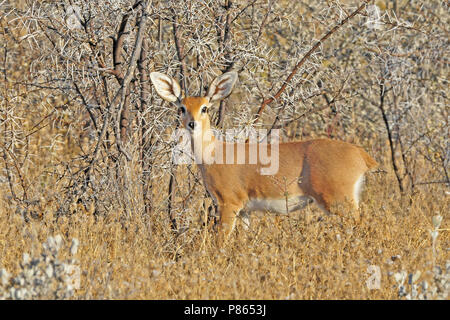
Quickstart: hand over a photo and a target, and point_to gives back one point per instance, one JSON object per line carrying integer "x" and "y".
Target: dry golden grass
{"x": 305, "y": 256}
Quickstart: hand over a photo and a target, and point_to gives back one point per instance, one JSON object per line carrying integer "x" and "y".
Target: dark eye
{"x": 183, "y": 109}
{"x": 204, "y": 109}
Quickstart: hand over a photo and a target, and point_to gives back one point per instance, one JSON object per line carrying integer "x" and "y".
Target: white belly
{"x": 279, "y": 205}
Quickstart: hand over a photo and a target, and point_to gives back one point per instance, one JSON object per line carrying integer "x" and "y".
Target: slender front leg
{"x": 228, "y": 215}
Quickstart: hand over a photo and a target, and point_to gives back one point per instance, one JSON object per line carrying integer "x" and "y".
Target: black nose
{"x": 191, "y": 125}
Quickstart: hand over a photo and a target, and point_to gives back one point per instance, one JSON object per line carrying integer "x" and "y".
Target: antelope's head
{"x": 193, "y": 110}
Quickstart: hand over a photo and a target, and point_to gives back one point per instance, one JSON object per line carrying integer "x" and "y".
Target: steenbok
{"x": 323, "y": 170}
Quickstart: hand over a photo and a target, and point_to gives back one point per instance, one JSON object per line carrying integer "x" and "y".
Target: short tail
{"x": 370, "y": 162}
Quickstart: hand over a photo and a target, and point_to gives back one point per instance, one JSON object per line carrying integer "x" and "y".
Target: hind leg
{"x": 357, "y": 189}
{"x": 323, "y": 205}
{"x": 341, "y": 205}
{"x": 347, "y": 206}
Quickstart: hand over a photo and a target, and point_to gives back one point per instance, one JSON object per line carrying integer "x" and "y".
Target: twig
{"x": 383, "y": 91}
{"x": 304, "y": 58}
{"x": 180, "y": 52}
{"x": 126, "y": 80}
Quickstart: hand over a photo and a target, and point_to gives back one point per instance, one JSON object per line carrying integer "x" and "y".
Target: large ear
{"x": 167, "y": 88}
{"x": 221, "y": 87}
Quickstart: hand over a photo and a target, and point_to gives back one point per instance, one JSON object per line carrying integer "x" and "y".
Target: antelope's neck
{"x": 203, "y": 146}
